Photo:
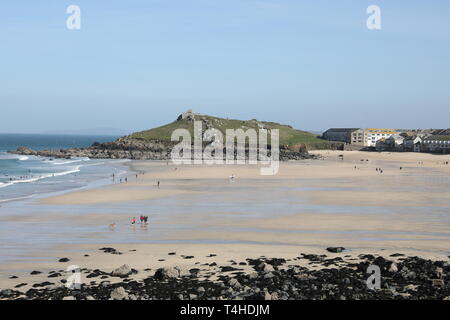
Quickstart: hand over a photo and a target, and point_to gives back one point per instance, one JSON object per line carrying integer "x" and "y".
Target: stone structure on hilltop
{"x": 187, "y": 115}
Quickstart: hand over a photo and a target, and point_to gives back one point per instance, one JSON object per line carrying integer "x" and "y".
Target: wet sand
{"x": 307, "y": 207}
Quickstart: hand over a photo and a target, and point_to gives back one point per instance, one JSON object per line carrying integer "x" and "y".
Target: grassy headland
{"x": 289, "y": 137}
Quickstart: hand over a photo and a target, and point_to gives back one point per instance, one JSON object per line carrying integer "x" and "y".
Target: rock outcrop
{"x": 122, "y": 271}
{"x": 119, "y": 293}
{"x": 123, "y": 148}
{"x": 156, "y": 144}
{"x": 331, "y": 278}
{"x": 168, "y": 273}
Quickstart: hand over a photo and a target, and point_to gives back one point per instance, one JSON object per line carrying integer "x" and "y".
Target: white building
{"x": 372, "y": 135}
{"x": 364, "y": 137}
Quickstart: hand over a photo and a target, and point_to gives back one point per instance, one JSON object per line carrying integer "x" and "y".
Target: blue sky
{"x": 137, "y": 64}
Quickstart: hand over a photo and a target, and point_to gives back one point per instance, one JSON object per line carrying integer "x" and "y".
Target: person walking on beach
{"x": 133, "y": 221}
{"x": 158, "y": 184}
{"x": 145, "y": 219}
{"x": 141, "y": 218}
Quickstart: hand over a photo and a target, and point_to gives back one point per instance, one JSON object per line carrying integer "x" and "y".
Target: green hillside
{"x": 288, "y": 135}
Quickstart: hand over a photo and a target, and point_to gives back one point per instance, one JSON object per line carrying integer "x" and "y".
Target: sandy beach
{"x": 197, "y": 211}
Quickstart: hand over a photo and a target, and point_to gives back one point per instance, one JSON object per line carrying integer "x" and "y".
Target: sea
{"x": 23, "y": 177}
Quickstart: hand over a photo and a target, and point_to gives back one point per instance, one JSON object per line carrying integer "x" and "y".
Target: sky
{"x": 137, "y": 64}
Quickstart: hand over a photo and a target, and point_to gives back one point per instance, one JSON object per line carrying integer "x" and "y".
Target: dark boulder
{"x": 335, "y": 249}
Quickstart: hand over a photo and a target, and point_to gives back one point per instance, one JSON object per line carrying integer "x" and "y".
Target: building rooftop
{"x": 438, "y": 138}
{"x": 397, "y": 136}
{"x": 411, "y": 137}
{"x": 342, "y": 129}
{"x": 377, "y": 130}
{"x": 443, "y": 132}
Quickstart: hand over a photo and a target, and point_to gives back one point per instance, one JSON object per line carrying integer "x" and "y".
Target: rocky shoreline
{"x": 135, "y": 149}
{"x": 123, "y": 148}
{"x": 327, "y": 278}
{"x": 156, "y": 144}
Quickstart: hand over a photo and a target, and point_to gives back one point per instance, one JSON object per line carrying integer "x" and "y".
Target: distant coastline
{"x": 157, "y": 144}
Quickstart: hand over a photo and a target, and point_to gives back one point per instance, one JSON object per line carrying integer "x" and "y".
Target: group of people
{"x": 120, "y": 180}
{"x": 143, "y": 220}
{"x": 379, "y": 170}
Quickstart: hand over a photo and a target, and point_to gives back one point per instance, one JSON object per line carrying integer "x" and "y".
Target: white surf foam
{"x": 40, "y": 177}
{"x": 11, "y": 156}
{"x": 5, "y": 184}
{"x": 74, "y": 160}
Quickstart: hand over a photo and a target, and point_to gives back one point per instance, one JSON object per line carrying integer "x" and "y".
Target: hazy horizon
{"x": 121, "y": 132}
{"x": 137, "y": 65}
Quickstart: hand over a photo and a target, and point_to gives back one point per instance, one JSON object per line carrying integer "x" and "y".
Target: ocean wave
{"x": 40, "y": 177}
{"x": 5, "y": 184}
{"x": 11, "y": 156}
{"x": 73, "y": 160}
